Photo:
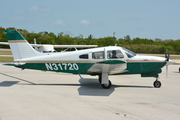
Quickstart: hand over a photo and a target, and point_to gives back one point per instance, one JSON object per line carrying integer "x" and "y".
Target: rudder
{"x": 20, "y": 48}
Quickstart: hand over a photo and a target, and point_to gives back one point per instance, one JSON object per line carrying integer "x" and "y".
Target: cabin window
{"x": 98, "y": 55}
{"x": 114, "y": 54}
{"x": 84, "y": 56}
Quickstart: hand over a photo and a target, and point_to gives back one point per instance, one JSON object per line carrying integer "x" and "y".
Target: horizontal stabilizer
{"x": 14, "y": 64}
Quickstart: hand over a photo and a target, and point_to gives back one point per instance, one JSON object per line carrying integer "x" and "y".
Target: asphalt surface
{"x": 37, "y": 95}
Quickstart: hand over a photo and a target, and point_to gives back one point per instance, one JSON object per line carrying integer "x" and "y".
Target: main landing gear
{"x": 157, "y": 83}
{"x": 106, "y": 85}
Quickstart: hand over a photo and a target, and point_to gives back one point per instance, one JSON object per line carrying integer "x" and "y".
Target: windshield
{"x": 132, "y": 53}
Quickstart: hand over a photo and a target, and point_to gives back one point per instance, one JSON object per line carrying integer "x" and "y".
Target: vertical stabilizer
{"x": 20, "y": 48}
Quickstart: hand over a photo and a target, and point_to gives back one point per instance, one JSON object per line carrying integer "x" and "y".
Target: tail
{"x": 20, "y": 48}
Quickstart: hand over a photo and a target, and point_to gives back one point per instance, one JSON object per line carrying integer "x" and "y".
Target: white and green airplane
{"x": 103, "y": 61}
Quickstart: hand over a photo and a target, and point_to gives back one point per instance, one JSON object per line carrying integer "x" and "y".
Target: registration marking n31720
{"x": 61, "y": 66}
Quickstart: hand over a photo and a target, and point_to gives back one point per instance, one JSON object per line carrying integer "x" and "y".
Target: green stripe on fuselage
{"x": 74, "y": 68}
{"x": 81, "y": 68}
{"x": 144, "y": 67}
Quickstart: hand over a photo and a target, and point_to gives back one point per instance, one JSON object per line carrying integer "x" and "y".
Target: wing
{"x": 56, "y": 46}
{"x": 109, "y": 66}
{"x": 36, "y": 45}
{"x": 72, "y": 46}
{"x": 4, "y": 43}
{"x": 33, "y": 45}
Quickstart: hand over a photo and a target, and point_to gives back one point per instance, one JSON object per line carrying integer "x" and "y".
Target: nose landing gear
{"x": 157, "y": 84}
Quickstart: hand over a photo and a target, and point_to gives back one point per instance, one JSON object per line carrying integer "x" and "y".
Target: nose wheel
{"x": 157, "y": 84}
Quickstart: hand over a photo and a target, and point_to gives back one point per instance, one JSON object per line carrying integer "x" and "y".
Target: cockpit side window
{"x": 114, "y": 54}
{"x": 129, "y": 55}
{"x": 84, "y": 56}
{"x": 98, "y": 55}
{"x": 130, "y": 52}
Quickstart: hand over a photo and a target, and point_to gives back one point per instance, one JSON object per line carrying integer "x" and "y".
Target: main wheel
{"x": 179, "y": 69}
{"x": 157, "y": 84}
{"x": 106, "y": 86}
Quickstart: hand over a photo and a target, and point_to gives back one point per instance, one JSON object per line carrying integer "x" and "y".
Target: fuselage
{"x": 78, "y": 62}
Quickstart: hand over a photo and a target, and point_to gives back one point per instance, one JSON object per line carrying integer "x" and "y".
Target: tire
{"x": 179, "y": 69}
{"x": 105, "y": 86}
{"x": 157, "y": 84}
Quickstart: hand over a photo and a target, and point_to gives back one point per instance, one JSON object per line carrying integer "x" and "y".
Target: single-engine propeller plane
{"x": 102, "y": 61}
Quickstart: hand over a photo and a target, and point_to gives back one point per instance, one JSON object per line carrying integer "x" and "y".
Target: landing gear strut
{"x": 157, "y": 84}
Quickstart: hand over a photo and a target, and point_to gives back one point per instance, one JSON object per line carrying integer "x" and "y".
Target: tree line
{"x": 138, "y": 45}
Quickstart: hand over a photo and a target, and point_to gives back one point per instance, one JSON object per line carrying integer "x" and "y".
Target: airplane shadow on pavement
{"x": 91, "y": 87}
{"x": 8, "y": 83}
{"x": 87, "y": 86}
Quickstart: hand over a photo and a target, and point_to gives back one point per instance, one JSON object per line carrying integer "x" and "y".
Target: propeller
{"x": 167, "y": 56}
{"x": 167, "y": 59}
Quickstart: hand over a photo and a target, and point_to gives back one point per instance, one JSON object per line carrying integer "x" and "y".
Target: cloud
{"x": 85, "y": 22}
{"x": 59, "y": 22}
{"x": 43, "y": 11}
{"x": 17, "y": 18}
{"x": 34, "y": 8}
{"x": 18, "y": 15}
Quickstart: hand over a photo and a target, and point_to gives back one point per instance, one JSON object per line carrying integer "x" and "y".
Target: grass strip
{"x": 5, "y": 53}
{"x": 6, "y": 59}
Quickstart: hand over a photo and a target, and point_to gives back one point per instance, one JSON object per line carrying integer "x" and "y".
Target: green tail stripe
{"x": 13, "y": 35}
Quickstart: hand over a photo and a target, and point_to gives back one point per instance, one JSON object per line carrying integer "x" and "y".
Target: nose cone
{"x": 170, "y": 62}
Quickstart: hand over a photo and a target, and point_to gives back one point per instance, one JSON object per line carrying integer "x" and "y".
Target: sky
{"x": 101, "y": 18}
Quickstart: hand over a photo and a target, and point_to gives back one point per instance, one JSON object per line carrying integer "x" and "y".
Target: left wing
{"x": 73, "y": 46}
{"x": 109, "y": 66}
{"x": 56, "y": 46}
{"x": 63, "y": 46}
{"x": 50, "y": 48}
{"x": 4, "y": 43}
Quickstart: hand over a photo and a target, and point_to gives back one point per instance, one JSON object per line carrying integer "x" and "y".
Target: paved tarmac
{"x": 37, "y": 95}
